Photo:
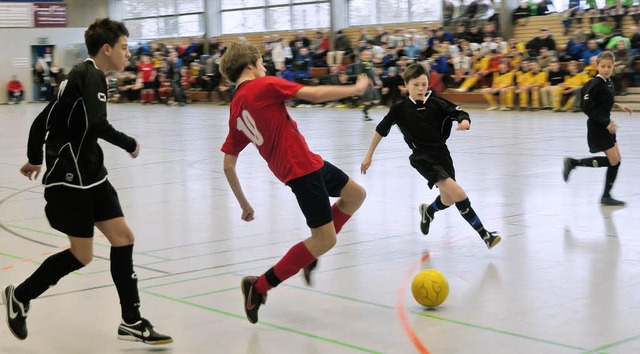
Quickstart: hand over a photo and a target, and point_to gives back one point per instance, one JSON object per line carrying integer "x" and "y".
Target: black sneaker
{"x": 567, "y": 167}
{"x": 609, "y": 201}
{"x": 367, "y": 118}
{"x": 142, "y": 331}
{"x": 252, "y": 300}
{"x": 425, "y": 219}
{"x": 491, "y": 239}
{"x": 16, "y": 313}
{"x": 306, "y": 271}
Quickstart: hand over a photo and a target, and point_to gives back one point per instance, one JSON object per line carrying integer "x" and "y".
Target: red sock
{"x": 339, "y": 218}
{"x": 296, "y": 258}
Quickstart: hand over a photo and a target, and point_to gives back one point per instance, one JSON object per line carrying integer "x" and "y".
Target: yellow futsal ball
{"x": 430, "y": 288}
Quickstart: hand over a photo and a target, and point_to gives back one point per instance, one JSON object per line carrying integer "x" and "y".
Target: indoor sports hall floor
{"x": 565, "y": 279}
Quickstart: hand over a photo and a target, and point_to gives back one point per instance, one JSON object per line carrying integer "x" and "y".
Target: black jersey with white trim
{"x": 71, "y": 124}
{"x": 423, "y": 124}
{"x": 598, "y": 97}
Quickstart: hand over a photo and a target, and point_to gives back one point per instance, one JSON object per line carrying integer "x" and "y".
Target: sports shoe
{"x": 142, "y": 331}
{"x": 16, "y": 313}
{"x": 252, "y": 300}
{"x": 367, "y": 118}
{"x": 491, "y": 239}
{"x": 567, "y": 167}
{"x": 425, "y": 219}
{"x": 609, "y": 201}
{"x": 306, "y": 271}
{"x": 492, "y": 108}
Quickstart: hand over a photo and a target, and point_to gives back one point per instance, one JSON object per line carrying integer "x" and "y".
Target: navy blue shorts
{"x": 313, "y": 192}
{"x": 74, "y": 211}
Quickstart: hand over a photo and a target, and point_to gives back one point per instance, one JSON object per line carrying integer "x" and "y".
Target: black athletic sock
{"x": 53, "y": 269}
{"x": 437, "y": 205}
{"x": 612, "y": 173}
{"x": 469, "y": 214}
{"x": 126, "y": 282}
{"x": 598, "y": 161}
{"x": 366, "y": 109}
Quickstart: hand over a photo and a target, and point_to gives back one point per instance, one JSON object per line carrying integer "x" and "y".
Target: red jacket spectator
{"x": 435, "y": 82}
{"x": 15, "y": 85}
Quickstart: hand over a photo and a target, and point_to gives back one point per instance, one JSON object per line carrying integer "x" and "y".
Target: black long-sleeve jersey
{"x": 597, "y": 101}
{"x": 424, "y": 124}
{"x": 72, "y": 124}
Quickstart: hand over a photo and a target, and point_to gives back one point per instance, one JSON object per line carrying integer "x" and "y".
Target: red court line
{"x": 402, "y": 288}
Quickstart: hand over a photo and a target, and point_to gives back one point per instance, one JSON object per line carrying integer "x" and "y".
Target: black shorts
{"x": 74, "y": 211}
{"x": 435, "y": 164}
{"x": 600, "y": 139}
{"x": 313, "y": 192}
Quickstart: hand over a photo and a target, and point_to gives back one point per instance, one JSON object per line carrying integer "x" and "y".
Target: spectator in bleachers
{"x": 147, "y": 74}
{"x": 590, "y": 70}
{"x": 502, "y": 86}
{"x": 214, "y": 45}
{"x": 342, "y": 47}
{"x": 382, "y": 36}
{"x": 392, "y": 87}
{"x": 461, "y": 33}
{"x": 475, "y": 34}
{"x": 447, "y": 12}
{"x": 319, "y": 48}
{"x": 300, "y": 37}
{"x": 532, "y": 82}
{"x": 520, "y": 12}
{"x": 622, "y": 68}
{"x": 372, "y": 95}
{"x": 436, "y": 83}
{"x": 570, "y": 89}
{"x": 575, "y": 47}
{"x": 545, "y": 57}
{"x": 302, "y": 66}
{"x": 544, "y": 40}
{"x": 164, "y": 89}
{"x": 411, "y": 50}
{"x": 267, "y": 58}
{"x": 592, "y": 51}
{"x": 555, "y": 77}
{"x": 129, "y": 86}
{"x": 601, "y": 29}
{"x": 479, "y": 70}
{"x": 461, "y": 68}
{"x": 278, "y": 53}
{"x": 612, "y": 44}
{"x": 15, "y": 90}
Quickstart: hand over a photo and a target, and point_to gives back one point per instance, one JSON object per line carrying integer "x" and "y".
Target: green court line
{"x": 263, "y": 323}
{"x": 611, "y": 345}
{"x": 10, "y": 255}
{"x": 513, "y": 334}
{"x": 209, "y": 293}
{"x": 50, "y": 234}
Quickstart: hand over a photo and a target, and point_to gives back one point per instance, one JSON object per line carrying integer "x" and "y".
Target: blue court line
{"x": 264, "y": 323}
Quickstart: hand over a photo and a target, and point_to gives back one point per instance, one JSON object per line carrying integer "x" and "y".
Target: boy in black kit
{"x": 425, "y": 121}
{"x": 77, "y": 191}
{"x": 598, "y": 97}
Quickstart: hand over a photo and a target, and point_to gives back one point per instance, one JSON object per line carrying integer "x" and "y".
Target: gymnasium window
{"x": 152, "y": 19}
{"x": 245, "y": 16}
{"x": 369, "y": 12}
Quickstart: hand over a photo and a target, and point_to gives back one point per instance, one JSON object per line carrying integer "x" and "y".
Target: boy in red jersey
{"x": 259, "y": 116}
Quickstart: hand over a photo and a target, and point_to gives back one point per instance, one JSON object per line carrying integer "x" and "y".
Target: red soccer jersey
{"x": 259, "y": 116}
{"x": 147, "y": 71}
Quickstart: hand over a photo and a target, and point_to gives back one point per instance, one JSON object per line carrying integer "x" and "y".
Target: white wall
{"x": 17, "y": 50}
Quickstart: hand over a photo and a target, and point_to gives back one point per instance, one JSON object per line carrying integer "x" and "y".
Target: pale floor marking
{"x": 564, "y": 279}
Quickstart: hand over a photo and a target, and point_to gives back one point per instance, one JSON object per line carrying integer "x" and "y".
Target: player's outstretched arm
{"x": 624, "y": 108}
{"x": 366, "y": 162}
{"x": 234, "y": 183}
{"x": 326, "y": 93}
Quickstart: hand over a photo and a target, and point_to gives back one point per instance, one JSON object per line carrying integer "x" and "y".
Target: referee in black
{"x": 425, "y": 120}
{"x": 77, "y": 191}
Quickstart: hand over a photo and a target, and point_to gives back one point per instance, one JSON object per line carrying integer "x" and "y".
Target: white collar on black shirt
{"x": 425, "y": 98}
{"x": 94, "y": 63}
{"x": 600, "y": 76}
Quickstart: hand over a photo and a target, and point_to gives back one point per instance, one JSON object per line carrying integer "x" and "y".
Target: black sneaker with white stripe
{"x": 16, "y": 313}
{"x": 142, "y": 331}
{"x": 252, "y": 300}
{"x": 425, "y": 219}
{"x": 491, "y": 239}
